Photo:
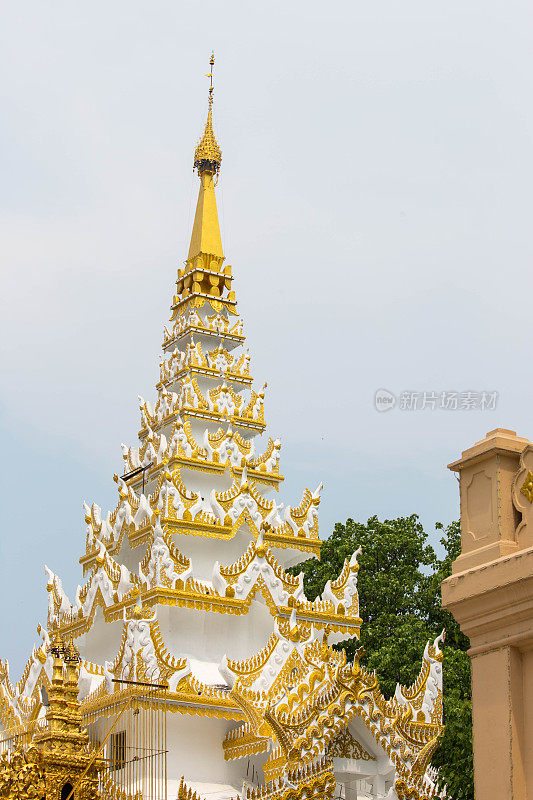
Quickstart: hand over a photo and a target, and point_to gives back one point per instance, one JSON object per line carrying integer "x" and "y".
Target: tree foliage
{"x": 400, "y": 604}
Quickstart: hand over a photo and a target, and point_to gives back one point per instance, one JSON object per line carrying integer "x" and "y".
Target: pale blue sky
{"x": 376, "y": 203}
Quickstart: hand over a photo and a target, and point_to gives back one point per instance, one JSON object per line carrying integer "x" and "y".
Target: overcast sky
{"x": 375, "y": 200}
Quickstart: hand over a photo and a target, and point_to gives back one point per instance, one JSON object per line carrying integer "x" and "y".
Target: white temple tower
{"x": 185, "y": 589}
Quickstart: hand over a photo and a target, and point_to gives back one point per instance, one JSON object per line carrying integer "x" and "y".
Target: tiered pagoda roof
{"x": 194, "y": 535}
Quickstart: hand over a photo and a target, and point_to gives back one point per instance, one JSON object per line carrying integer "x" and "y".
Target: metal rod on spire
{"x": 210, "y": 76}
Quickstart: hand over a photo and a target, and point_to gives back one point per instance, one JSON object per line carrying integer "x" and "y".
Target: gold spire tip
{"x": 208, "y": 155}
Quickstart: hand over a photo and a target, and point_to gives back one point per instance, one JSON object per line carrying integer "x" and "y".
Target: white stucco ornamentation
{"x": 187, "y": 584}
{"x": 424, "y": 698}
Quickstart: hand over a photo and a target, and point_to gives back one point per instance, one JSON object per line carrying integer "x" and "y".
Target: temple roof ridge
{"x": 166, "y": 576}
{"x": 311, "y": 695}
{"x": 219, "y": 514}
{"x": 218, "y": 404}
{"x": 189, "y": 322}
{"x": 193, "y": 359}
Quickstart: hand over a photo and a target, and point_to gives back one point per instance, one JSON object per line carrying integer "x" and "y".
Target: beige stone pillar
{"x": 490, "y": 594}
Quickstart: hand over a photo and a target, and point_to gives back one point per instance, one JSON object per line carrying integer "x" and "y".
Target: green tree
{"x": 400, "y": 604}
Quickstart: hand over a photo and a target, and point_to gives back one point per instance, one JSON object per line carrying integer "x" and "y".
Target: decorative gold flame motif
{"x": 527, "y": 487}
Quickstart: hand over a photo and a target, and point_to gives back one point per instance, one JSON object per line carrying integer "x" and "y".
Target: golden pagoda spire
{"x": 205, "y": 237}
{"x": 208, "y": 155}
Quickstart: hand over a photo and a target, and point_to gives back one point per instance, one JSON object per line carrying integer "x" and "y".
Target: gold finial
{"x": 208, "y": 155}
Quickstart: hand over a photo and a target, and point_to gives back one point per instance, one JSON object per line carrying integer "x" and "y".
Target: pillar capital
{"x": 488, "y": 516}
{"x": 490, "y": 594}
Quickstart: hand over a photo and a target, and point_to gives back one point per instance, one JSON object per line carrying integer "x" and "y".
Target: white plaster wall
{"x": 208, "y": 636}
{"x": 288, "y": 557}
{"x": 102, "y": 641}
{"x": 203, "y": 482}
{"x": 204, "y": 551}
{"x": 131, "y": 558}
{"x": 195, "y": 750}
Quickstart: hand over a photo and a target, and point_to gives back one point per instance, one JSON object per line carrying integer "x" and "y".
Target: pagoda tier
{"x": 185, "y": 588}
{"x": 196, "y": 531}
{"x": 190, "y": 324}
{"x": 293, "y": 708}
{"x": 166, "y": 577}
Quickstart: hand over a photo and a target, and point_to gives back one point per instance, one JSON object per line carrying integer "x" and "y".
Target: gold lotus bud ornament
{"x": 230, "y": 591}
{"x": 137, "y": 612}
